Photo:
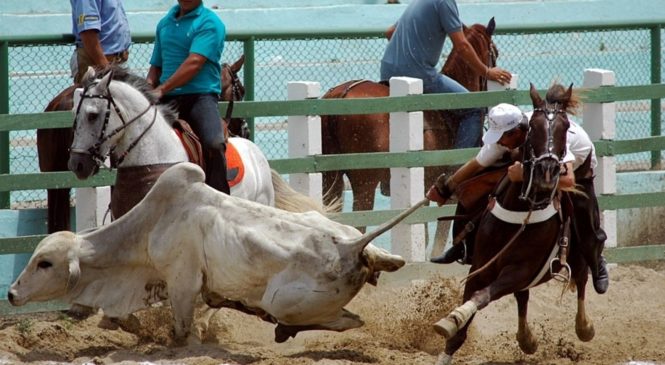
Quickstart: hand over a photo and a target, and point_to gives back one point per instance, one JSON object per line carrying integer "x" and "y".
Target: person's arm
{"x": 444, "y": 188}
{"x": 390, "y": 31}
{"x": 93, "y": 48}
{"x": 187, "y": 70}
{"x": 461, "y": 45}
{"x": 154, "y": 73}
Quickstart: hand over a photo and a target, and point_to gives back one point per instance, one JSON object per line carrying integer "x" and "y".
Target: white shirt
{"x": 490, "y": 154}
{"x": 578, "y": 147}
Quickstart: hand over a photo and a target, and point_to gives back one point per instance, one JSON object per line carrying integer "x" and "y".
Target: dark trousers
{"x": 587, "y": 232}
{"x": 200, "y": 111}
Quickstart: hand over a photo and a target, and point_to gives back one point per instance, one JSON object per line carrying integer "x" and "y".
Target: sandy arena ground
{"x": 629, "y": 322}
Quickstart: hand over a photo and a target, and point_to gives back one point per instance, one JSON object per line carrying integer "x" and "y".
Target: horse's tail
{"x": 286, "y": 198}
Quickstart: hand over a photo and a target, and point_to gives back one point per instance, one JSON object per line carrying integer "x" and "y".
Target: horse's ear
{"x": 89, "y": 74}
{"x": 535, "y": 97}
{"x": 106, "y": 80}
{"x": 237, "y": 65}
{"x": 491, "y": 26}
{"x": 77, "y": 96}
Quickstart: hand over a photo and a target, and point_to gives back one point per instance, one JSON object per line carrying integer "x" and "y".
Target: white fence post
{"x": 92, "y": 204}
{"x": 600, "y": 123}
{"x": 406, "y": 184}
{"x": 304, "y": 134}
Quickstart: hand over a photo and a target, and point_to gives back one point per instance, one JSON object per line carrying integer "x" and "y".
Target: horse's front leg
{"x": 583, "y": 324}
{"x": 510, "y": 279}
{"x": 525, "y": 338}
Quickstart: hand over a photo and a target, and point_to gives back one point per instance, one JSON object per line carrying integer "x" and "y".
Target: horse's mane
{"x": 122, "y": 74}
{"x": 557, "y": 93}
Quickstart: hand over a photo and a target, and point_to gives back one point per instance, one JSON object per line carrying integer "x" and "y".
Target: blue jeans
{"x": 470, "y": 129}
{"x": 200, "y": 111}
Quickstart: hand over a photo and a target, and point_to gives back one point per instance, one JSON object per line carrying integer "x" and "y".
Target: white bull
{"x": 184, "y": 238}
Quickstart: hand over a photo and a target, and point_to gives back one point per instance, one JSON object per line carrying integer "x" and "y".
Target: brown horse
{"x": 522, "y": 239}
{"x": 53, "y": 144}
{"x": 370, "y": 132}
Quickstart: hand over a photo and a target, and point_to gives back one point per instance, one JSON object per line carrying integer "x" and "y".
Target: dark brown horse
{"x": 522, "y": 239}
{"x": 53, "y": 144}
{"x": 370, "y": 132}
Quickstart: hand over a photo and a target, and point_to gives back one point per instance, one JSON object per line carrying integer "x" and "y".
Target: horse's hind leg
{"x": 583, "y": 324}
{"x": 525, "y": 338}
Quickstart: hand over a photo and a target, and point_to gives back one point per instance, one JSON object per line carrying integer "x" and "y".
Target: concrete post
{"x": 92, "y": 204}
{"x": 304, "y": 134}
{"x": 406, "y": 184}
{"x": 600, "y": 123}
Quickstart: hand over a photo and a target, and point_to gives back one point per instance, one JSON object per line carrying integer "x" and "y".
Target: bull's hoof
{"x": 444, "y": 359}
{"x": 446, "y": 328}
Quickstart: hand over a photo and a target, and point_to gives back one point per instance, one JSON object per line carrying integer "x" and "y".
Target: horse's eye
{"x": 92, "y": 117}
{"x": 44, "y": 264}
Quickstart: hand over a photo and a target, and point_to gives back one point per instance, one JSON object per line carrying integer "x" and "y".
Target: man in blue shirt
{"x": 102, "y": 34}
{"x": 185, "y": 70}
{"x": 415, "y": 46}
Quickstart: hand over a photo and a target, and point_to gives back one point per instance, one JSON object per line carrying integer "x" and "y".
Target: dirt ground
{"x": 629, "y": 323}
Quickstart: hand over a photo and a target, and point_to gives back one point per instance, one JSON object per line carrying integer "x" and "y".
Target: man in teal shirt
{"x": 185, "y": 70}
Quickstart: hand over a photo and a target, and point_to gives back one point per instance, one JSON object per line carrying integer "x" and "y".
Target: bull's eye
{"x": 44, "y": 264}
{"x": 92, "y": 117}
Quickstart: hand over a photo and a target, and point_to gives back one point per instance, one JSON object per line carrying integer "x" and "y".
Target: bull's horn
{"x": 365, "y": 239}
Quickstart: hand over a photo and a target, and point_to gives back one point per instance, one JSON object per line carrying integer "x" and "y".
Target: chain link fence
{"x": 39, "y": 72}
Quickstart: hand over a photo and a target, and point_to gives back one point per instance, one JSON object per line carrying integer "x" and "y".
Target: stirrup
{"x": 558, "y": 276}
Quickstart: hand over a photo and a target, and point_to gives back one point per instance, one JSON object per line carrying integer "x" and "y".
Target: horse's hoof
{"x": 446, "y": 328}
{"x": 528, "y": 345}
{"x": 585, "y": 334}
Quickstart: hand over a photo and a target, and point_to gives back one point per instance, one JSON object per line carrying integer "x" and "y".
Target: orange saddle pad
{"x": 235, "y": 169}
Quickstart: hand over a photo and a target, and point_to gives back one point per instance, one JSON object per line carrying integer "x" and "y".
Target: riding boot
{"x": 455, "y": 253}
{"x": 216, "y": 169}
{"x": 601, "y": 281}
{"x": 461, "y": 252}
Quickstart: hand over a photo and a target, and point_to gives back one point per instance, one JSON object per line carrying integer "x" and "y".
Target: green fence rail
{"x": 35, "y": 68}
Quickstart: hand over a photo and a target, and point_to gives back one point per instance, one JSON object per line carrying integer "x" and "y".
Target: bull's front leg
{"x": 183, "y": 290}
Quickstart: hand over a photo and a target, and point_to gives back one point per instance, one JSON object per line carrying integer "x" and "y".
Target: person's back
{"x": 101, "y": 32}
{"x": 420, "y": 35}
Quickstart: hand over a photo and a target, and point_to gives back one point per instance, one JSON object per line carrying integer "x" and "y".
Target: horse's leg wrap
{"x": 448, "y": 327}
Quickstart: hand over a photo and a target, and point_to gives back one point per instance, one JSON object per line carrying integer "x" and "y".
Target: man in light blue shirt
{"x": 185, "y": 70}
{"x": 102, "y": 34}
{"x": 415, "y": 46}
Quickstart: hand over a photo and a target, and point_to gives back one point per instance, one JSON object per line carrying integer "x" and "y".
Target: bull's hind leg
{"x": 583, "y": 324}
{"x": 525, "y": 338}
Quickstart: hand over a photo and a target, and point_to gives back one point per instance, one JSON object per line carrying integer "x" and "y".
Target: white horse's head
{"x": 104, "y": 110}
{"x": 92, "y": 123}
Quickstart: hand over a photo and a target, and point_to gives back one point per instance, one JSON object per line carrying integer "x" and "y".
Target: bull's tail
{"x": 286, "y": 198}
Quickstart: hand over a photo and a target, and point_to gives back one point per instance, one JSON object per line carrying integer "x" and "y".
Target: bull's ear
{"x": 74, "y": 273}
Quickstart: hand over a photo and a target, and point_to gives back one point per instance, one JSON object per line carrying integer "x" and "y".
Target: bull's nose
{"x": 10, "y": 297}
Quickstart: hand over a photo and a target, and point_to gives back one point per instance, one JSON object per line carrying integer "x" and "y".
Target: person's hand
{"x": 499, "y": 75}
{"x": 434, "y": 195}
{"x": 158, "y": 92}
{"x": 515, "y": 172}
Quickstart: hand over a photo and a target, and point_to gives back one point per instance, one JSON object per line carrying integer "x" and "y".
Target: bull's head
{"x": 53, "y": 270}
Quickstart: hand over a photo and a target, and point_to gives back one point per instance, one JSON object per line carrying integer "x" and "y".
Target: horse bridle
{"x": 95, "y": 150}
{"x": 491, "y": 60}
{"x": 530, "y": 160}
{"x": 236, "y": 95}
